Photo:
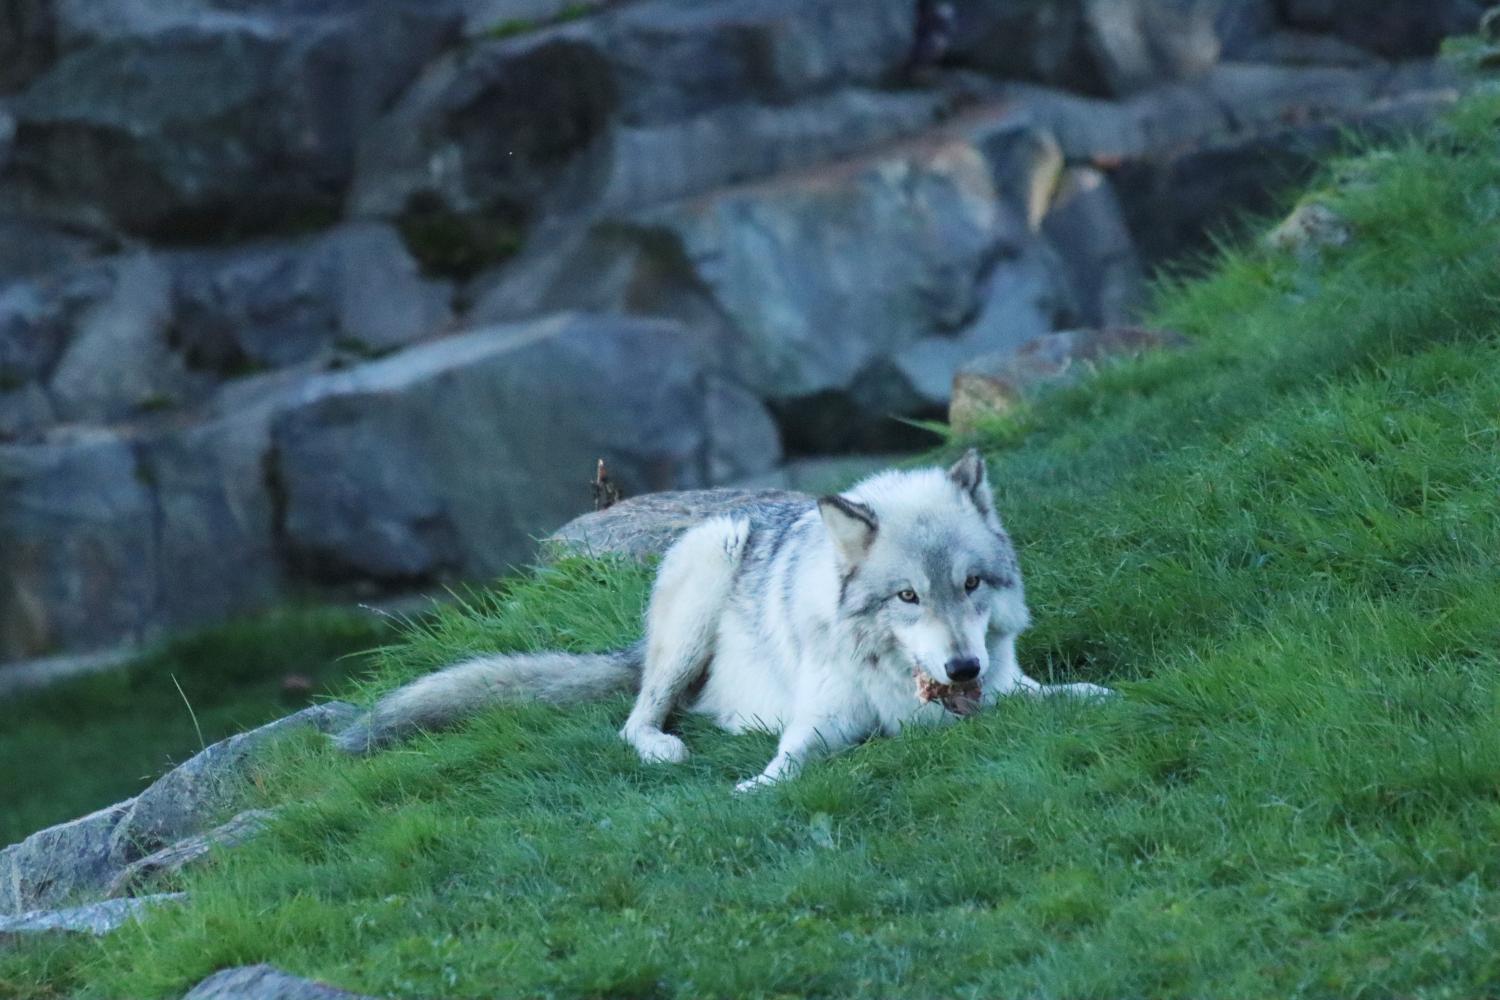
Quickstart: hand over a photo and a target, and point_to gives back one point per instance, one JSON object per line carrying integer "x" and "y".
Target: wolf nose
{"x": 963, "y": 669}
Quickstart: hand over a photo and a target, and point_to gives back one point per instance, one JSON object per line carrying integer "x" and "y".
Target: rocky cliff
{"x": 310, "y": 295}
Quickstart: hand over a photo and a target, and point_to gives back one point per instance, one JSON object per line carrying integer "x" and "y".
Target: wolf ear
{"x": 972, "y": 478}
{"x": 851, "y": 525}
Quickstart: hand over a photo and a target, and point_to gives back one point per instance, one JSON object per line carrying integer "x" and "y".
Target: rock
{"x": 1303, "y": 48}
{"x": 1394, "y": 29}
{"x": 77, "y": 545}
{"x": 453, "y": 455}
{"x": 648, "y": 102}
{"x": 189, "y": 851}
{"x": 645, "y": 526}
{"x": 213, "y": 494}
{"x": 7, "y": 136}
{"x": 1024, "y": 296}
{"x": 118, "y": 362}
{"x": 93, "y": 918}
{"x": 264, "y": 982}
{"x": 821, "y": 275}
{"x": 1100, "y": 47}
{"x": 742, "y": 437}
{"x": 1309, "y": 228}
{"x": 491, "y": 129}
{"x": 1086, "y": 226}
{"x": 655, "y": 163}
{"x": 187, "y": 798}
{"x": 38, "y": 317}
{"x": 123, "y": 132}
{"x": 673, "y": 60}
{"x": 53, "y": 864}
{"x": 82, "y": 858}
{"x": 33, "y": 249}
{"x": 1278, "y": 125}
{"x": 285, "y": 302}
{"x": 841, "y": 295}
{"x": 1489, "y": 25}
{"x": 27, "y": 42}
{"x": 1026, "y": 163}
{"x": 24, "y": 412}
{"x": 994, "y": 384}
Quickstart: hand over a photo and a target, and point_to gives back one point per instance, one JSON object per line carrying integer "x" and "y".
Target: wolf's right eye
{"x": 908, "y": 595}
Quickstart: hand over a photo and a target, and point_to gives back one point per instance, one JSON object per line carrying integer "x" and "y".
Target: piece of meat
{"x": 960, "y": 699}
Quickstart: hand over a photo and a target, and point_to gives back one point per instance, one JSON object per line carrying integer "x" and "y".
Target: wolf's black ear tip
{"x": 969, "y": 470}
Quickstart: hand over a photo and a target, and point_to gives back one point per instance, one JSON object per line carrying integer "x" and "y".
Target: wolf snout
{"x": 962, "y": 669}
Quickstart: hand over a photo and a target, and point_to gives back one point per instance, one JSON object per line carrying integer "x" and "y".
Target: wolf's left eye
{"x": 971, "y": 584}
{"x": 909, "y": 596}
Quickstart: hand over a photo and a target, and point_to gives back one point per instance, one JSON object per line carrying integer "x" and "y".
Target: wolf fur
{"x": 805, "y": 618}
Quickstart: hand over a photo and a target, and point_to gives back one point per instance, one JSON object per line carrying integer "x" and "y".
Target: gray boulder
{"x": 25, "y": 411}
{"x": 264, "y": 982}
{"x": 1026, "y": 164}
{"x": 648, "y": 102}
{"x": 81, "y": 859}
{"x": 284, "y": 302}
{"x": 38, "y": 316}
{"x": 184, "y": 119}
{"x": 451, "y": 457}
{"x": 673, "y": 59}
{"x": 27, "y": 41}
{"x": 77, "y": 545}
{"x": 1102, "y": 47}
{"x": 645, "y": 526}
{"x": 32, "y": 248}
{"x": 118, "y": 361}
{"x": 1174, "y": 202}
{"x": 490, "y": 129}
{"x": 212, "y": 494}
{"x": 92, "y": 918}
{"x": 190, "y": 851}
{"x": 842, "y": 295}
{"x": 1394, "y": 29}
{"x": 654, "y": 163}
{"x": 1086, "y": 226}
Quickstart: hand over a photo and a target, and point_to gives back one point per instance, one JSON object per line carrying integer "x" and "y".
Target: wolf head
{"x": 928, "y": 573}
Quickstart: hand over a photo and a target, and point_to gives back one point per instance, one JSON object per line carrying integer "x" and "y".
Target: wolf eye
{"x": 971, "y": 584}
{"x": 908, "y": 595}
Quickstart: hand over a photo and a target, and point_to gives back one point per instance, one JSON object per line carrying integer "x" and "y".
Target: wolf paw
{"x": 1092, "y": 691}
{"x": 659, "y": 748}
{"x": 753, "y": 784}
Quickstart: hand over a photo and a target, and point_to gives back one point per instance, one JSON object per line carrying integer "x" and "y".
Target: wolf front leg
{"x": 686, "y": 603}
{"x": 800, "y": 742}
{"x": 1005, "y": 678}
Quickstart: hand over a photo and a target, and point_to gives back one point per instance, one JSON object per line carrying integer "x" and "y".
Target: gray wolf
{"x": 820, "y": 621}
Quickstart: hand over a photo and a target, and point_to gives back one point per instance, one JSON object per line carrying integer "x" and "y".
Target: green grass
{"x": 82, "y": 744}
{"x": 1281, "y": 544}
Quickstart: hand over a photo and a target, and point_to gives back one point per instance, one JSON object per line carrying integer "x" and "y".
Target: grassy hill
{"x": 1281, "y": 544}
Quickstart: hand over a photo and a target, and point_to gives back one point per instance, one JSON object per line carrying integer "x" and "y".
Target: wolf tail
{"x": 465, "y": 688}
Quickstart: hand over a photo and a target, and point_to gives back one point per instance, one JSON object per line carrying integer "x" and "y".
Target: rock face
{"x": 417, "y": 467}
{"x": 285, "y": 302}
{"x": 452, "y": 436}
{"x": 182, "y": 120}
{"x": 80, "y": 860}
{"x": 351, "y": 295}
